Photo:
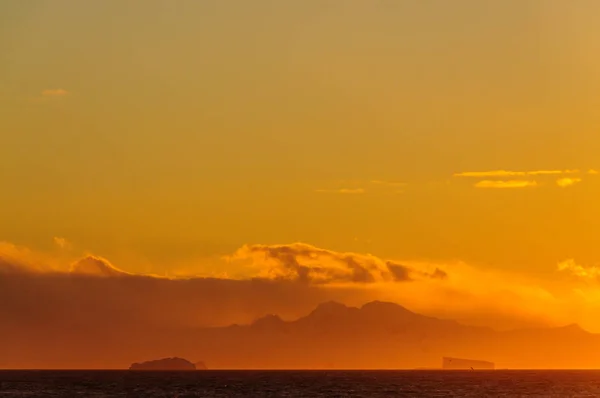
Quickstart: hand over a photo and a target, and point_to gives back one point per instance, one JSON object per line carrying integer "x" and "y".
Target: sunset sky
{"x": 182, "y": 138}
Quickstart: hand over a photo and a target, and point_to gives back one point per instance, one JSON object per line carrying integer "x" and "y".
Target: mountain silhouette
{"x": 387, "y": 335}
{"x": 377, "y": 335}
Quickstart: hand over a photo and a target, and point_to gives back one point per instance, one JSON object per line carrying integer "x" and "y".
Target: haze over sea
{"x": 384, "y": 383}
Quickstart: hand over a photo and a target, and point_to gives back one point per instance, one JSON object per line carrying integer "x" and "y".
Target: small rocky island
{"x": 466, "y": 364}
{"x": 167, "y": 364}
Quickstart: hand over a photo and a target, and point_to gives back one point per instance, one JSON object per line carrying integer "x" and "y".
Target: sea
{"x": 417, "y": 383}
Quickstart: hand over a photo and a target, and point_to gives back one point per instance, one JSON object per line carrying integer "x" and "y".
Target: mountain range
{"x": 378, "y": 335}
{"x": 386, "y": 335}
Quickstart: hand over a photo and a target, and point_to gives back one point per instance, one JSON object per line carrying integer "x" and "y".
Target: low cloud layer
{"x": 39, "y": 288}
{"x": 88, "y": 299}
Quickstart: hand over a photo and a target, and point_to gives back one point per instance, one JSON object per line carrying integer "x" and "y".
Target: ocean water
{"x": 300, "y": 384}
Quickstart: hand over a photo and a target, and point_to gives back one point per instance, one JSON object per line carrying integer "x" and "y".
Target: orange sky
{"x": 198, "y": 138}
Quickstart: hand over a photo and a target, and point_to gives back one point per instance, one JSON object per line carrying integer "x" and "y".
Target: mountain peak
{"x": 382, "y": 304}
{"x": 385, "y": 308}
{"x": 330, "y": 307}
{"x": 328, "y": 310}
{"x": 268, "y": 320}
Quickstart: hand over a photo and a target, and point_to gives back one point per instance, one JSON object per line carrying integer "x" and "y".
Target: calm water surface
{"x": 300, "y": 384}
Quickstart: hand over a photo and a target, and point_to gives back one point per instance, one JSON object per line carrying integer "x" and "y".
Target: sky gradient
{"x": 165, "y": 136}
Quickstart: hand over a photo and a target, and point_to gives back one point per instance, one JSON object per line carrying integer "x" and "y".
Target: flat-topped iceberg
{"x": 164, "y": 364}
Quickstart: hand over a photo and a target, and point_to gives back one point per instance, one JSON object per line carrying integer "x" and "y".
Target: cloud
{"x": 311, "y": 265}
{"x": 350, "y": 191}
{"x": 399, "y": 272}
{"x": 495, "y": 173}
{"x": 508, "y": 173}
{"x": 439, "y": 274}
{"x": 62, "y": 243}
{"x": 55, "y": 92}
{"x": 570, "y": 266}
{"x": 389, "y": 183}
{"x": 519, "y": 183}
{"x": 566, "y": 182}
{"x": 592, "y": 171}
{"x": 24, "y": 260}
{"x": 505, "y": 184}
{"x": 96, "y": 266}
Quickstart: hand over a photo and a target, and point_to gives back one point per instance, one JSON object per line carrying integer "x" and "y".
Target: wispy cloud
{"x": 96, "y": 266}
{"x": 349, "y": 191}
{"x": 566, "y": 182}
{"x": 59, "y": 92}
{"x": 579, "y": 270}
{"x": 62, "y": 242}
{"x": 505, "y": 184}
{"x": 510, "y": 173}
{"x": 389, "y": 183}
{"x": 592, "y": 171}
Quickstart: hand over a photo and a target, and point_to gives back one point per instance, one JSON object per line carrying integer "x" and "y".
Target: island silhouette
{"x": 465, "y": 364}
{"x": 164, "y": 364}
